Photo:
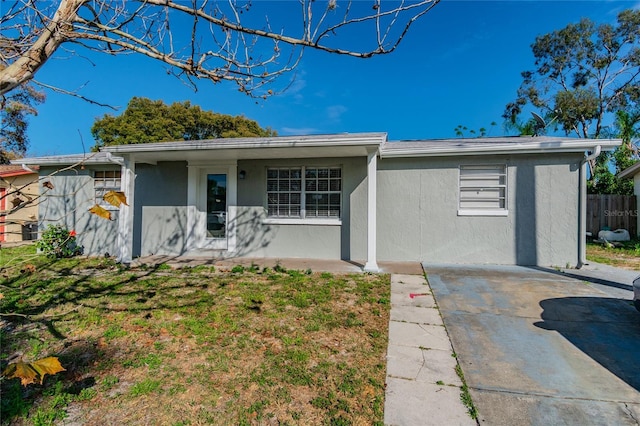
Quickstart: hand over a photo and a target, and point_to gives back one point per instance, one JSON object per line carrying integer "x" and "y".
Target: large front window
{"x": 304, "y": 192}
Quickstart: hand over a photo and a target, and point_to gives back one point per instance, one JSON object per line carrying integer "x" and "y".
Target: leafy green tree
{"x": 480, "y": 133}
{"x": 608, "y": 165}
{"x": 584, "y": 72}
{"x": 146, "y": 120}
{"x": 15, "y": 112}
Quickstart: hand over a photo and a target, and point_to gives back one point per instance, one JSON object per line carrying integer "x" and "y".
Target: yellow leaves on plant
{"x": 115, "y": 198}
{"x": 30, "y": 372}
{"x": 101, "y": 211}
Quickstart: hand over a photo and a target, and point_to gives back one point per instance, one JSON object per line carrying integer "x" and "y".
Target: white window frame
{"x": 103, "y": 184}
{"x": 498, "y": 172}
{"x": 304, "y": 218}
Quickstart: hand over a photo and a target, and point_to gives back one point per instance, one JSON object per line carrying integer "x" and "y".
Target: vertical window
{"x": 284, "y": 192}
{"x": 105, "y": 181}
{"x": 304, "y": 192}
{"x": 483, "y": 190}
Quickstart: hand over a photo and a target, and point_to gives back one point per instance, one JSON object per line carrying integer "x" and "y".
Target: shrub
{"x": 56, "y": 242}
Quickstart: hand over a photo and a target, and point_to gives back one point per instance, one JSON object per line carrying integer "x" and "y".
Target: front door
{"x": 212, "y": 201}
{"x": 213, "y": 205}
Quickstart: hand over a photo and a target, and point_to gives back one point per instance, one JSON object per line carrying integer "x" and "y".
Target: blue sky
{"x": 459, "y": 64}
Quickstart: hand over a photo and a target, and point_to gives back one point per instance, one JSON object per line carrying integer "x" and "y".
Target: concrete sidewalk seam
{"x": 423, "y": 387}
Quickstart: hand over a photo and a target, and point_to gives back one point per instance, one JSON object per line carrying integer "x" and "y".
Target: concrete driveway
{"x": 540, "y": 347}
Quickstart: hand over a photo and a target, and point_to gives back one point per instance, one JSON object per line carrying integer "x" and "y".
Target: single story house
{"x": 18, "y": 203}
{"x": 633, "y": 172}
{"x": 358, "y": 197}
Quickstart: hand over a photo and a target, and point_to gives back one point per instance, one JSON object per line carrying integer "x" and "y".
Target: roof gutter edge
{"x": 408, "y": 153}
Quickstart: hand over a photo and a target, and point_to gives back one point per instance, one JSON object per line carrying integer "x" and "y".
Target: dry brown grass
{"x": 196, "y": 346}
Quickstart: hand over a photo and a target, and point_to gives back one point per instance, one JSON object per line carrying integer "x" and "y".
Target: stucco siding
{"x": 160, "y": 214}
{"x": 258, "y": 236}
{"x": 164, "y": 230}
{"x": 68, "y": 204}
{"x": 418, "y": 212}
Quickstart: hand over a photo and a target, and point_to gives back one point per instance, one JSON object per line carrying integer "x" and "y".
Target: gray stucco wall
{"x": 160, "y": 212}
{"x": 68, "y": 204}
{"x": 418, "y": 202}
{"x": 259, "y": 239}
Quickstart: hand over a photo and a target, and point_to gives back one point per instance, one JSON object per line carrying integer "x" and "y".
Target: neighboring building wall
{"x": 160, "y": 212}
{"x": 17, "y": 224}
{"x": 68, "y": 204}
{"x": 418, "y": 220}
{"x": 344, "y": 241}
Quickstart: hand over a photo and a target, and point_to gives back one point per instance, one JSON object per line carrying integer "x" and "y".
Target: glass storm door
{"x": 216, "y": 206}
{"x": 212, "y": 207}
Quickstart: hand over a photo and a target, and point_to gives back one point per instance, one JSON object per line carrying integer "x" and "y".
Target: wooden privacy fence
{"x": 613, "y": 211}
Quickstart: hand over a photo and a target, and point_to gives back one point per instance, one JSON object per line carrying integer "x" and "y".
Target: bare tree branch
{"x": 74, "y": 94}
{"x": 217, "y": 40}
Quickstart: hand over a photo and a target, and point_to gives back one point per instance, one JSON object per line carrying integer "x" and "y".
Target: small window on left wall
{"x": 103, "y": 182}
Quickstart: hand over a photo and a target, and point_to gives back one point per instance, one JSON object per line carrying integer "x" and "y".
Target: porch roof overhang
{"x": 95, "y": 158}
{"x": 494, "y": 146}
{"x": 312, "y": 146}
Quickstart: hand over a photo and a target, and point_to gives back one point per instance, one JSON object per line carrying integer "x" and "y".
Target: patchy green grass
{"x": 164, "y": 346}
{"x": 627, "y": 256}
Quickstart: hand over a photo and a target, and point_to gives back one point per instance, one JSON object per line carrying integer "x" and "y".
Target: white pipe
{"x": 582, "y": 220}
{"x": 593, "y": 155}
{"x": 27, "y": 168}
{"x": 116, "y": 160}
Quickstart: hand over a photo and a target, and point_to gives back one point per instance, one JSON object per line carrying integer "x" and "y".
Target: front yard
{"x": 192, "y": 346}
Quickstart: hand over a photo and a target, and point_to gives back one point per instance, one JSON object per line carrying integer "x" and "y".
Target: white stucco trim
{"x": 196, "y": 239}
{"x": 125, "y": 220}
{"x": 483, "y": 212}
{"x": 300, "y": 221}
{"x": 232, "y": 206}
{"x": 372, "y": 188}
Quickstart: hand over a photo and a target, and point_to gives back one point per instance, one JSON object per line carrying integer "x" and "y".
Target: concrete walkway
{"x": 423, "y": 387}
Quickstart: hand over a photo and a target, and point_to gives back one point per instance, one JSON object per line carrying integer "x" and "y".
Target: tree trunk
{"x": 52, "y": 36}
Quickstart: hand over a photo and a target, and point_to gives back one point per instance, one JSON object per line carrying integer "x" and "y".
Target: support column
{"x": 125, "y": 219}
{"x": 232, "y": 203}
{"x": 372, "y": 188}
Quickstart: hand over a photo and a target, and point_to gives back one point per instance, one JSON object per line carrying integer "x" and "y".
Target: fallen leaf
{"x": 100, "y": 211}
{"x": 28, "y": 268}
{"x": 30, "y": 372}
{"x": 115, "y": 198}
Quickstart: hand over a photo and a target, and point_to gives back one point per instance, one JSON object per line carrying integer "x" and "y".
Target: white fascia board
{"x": 70, "y": 160}
{"x": 565, "y": 146}
{"x": 337, "y": 140}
